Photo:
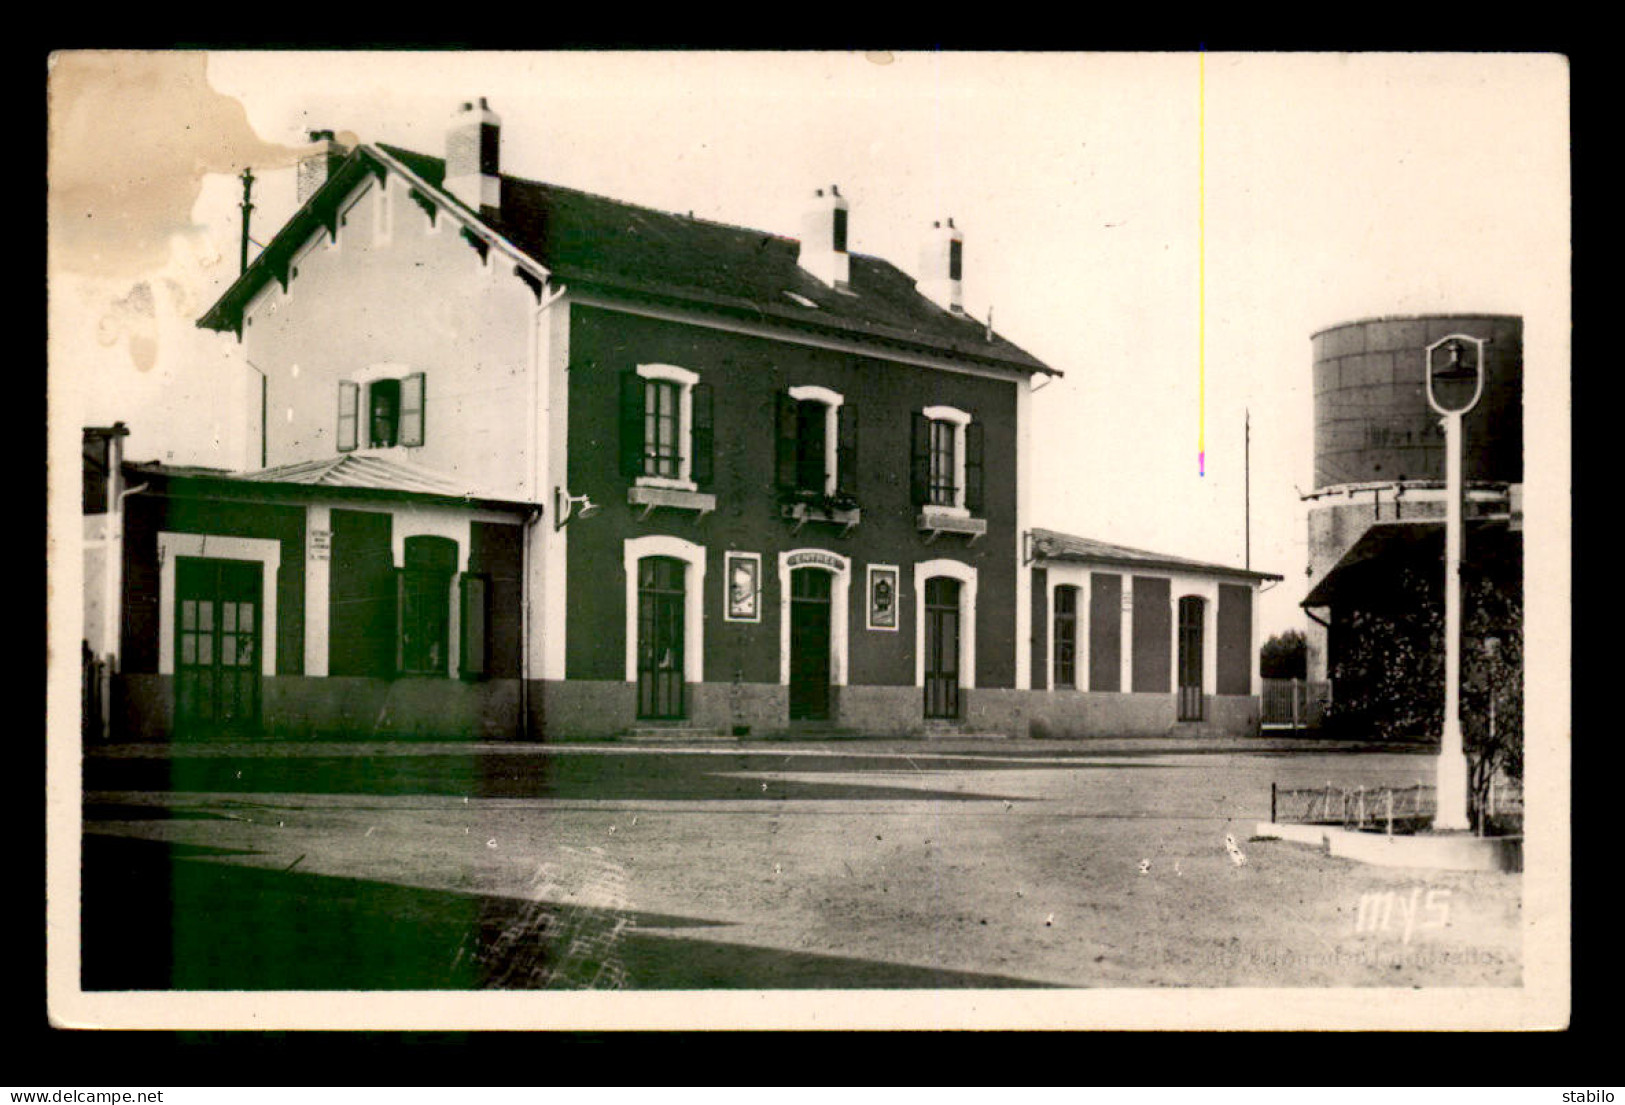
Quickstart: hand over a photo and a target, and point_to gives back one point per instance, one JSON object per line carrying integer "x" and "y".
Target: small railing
{"x": 1384, "y": 808}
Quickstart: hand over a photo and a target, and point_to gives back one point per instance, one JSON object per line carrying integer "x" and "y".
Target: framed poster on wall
{"x": 882, "y": 596}
{"x": 743, "y": 571}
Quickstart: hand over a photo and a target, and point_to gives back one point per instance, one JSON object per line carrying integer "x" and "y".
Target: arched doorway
{"x": 810, "y": 625}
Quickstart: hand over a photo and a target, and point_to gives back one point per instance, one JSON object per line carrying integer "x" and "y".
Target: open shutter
{"x": 631, "y": 424}
{"x": 412, "y": 397}
{"x": 701, "y": 467}
{"x": 784, "y": 455}
{"x": 349, "y": 406}
{"x": 973, "y": 468}
{"x": 919, "y": 461}
{"x": 846, "y": 454}
{"x": 473, "y": 621}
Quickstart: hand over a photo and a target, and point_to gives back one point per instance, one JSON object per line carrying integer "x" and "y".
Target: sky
{"x": 1166, "y": 230}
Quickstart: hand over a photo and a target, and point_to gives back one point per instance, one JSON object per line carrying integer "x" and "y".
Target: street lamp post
{"x": 1454, "y": 384}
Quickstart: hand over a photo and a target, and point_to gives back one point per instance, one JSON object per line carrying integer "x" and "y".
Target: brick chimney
{"x": 941, "y": 267}
{"x": 473, "y": 141}
{"x": 823, "y": 238}
{"x": 317, "y": 166}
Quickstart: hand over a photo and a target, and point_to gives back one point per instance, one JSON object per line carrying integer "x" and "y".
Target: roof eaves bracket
{"x": 480, "y": 244}
{"x": 532, "y": 281}
{"x": 430, "y": 208}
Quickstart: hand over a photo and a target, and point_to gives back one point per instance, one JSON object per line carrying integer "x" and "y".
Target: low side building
{"x": 359, "y": 597}
{"x": 1132, "y": 643}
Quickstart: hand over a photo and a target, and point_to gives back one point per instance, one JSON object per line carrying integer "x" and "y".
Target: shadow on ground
{"x": 160, "y": 916}
{"x": 623, "y": 775}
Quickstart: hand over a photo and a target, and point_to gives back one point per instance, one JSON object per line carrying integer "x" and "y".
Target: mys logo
{"x": 1377, "y": 911}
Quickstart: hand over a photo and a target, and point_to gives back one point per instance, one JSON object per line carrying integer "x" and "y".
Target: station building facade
{"x": 713, "y": 480}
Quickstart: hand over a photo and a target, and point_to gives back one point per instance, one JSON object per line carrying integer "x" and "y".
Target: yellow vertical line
{"x": 1201, "y": 264}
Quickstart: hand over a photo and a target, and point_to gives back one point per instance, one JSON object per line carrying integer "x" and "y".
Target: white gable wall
{"x": 395, "y": 289}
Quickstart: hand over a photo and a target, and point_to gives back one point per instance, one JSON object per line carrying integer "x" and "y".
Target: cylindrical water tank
{"x": 1372, "y": 419}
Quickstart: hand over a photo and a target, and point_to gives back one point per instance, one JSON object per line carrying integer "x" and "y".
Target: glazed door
{"x": 218, "y": 631}
{"x": 809, "y": 644}
{"x": 941, "y": 648}
{"x": 1190, "y": 659}
{"x": 660, "y": 638}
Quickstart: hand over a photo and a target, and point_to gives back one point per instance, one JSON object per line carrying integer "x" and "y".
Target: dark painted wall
{"x": 1153, "y": 629}
{"x": 147, "y": 515}
{"x": 1106, "y": 633}
{"x": 1235, "y": 644}
{"x": 746, "y": 374}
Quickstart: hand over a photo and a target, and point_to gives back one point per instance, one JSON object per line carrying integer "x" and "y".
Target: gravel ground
{"x": 755, "y": 866}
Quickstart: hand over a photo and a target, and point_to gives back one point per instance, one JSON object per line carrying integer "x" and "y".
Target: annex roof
{"x": 350, "y": 475}
{"x": 638, "y": 252}
{"x": 1050, "y": 545}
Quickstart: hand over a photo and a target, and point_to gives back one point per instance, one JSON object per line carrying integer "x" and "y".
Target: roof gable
{"x": 632, "y": 251}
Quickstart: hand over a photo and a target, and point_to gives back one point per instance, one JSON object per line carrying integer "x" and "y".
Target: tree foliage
{"x": 1285, "y": 656}
{"x": 1388, "y": 672}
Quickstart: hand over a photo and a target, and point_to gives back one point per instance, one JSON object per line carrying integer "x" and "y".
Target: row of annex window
{"x": 668, "y": 438}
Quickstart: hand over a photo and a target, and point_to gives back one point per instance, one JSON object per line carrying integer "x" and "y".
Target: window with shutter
{"x": 817, "y": 433}
{"x": 380, "y": 411}
{"x": 946, "y": 461}
{"x": 667, "y": 437}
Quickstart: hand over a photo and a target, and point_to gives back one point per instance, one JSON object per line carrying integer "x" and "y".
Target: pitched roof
{"x": 1050, "y": 545}
{"x": 349, "y": 475}
{"x": 360, "y": 470}
{"x": 628, "y": 250}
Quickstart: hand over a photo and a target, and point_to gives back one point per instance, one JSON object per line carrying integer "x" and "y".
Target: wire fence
{"x": 1386, "y": 808}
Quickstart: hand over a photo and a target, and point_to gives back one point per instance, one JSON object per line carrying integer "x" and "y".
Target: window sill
{"x": 936, "y": 521}
{"x": 674, "y": 498}
{"x": 802, "y": 513}
{"x": 666, "y": 483}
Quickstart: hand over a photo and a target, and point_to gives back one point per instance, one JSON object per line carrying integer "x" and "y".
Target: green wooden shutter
{"x": 349, "y": 405}
{"x": 412, "y": 399}
{"x": 919, "y": 461}
{"x": 846, "y": 452}
{"x": 702, "y": 439}
{"x": 474, "y": 627}
{"x": 784, "y": 455}
{"x": 632, "y": 445}
{"x": 973, "y": 468}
